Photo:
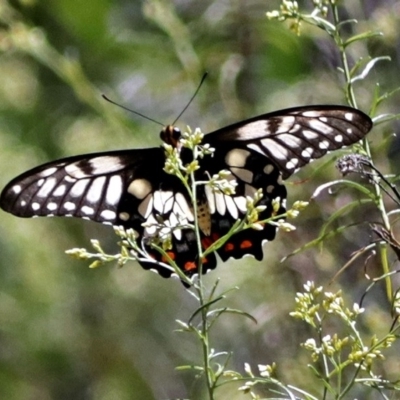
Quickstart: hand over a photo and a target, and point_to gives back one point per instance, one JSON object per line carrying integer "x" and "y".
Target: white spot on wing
{"x": 181, "y": 207}
{"x": 253, "y": 130}
{"x": 47, "y": 187}
{"x": 349, "y": 116}
{"x": 285, "y": 124}
{"x": 105, "y": 165}
{"x": 163, "y": 201}
{"x": 324, "y": 145}
{"x": 78, "y": 189}
{"x": 243, "y": 174}
{"x": 339, "y": 138}
{"x": 210, "y": 199}
{"x": 48, "y": 172}
{"x": 87, "y": 210}
{"x": 290, "y": 140}
{"x": 237, "y": 157}
{"x": 268, "y": 169}
{"x": 108, "y": 214}
{"x": 168, "y": 201}
{"x": 292, "y": 163}
{"x": 320, "y": 126}
{"x": 140, "y": 188}
{"x": 60, "y": 191}
{"x": 307, "y": 152}
{"x": 35, "y": 206}
{"x": 96, "y": 189}
{"x": 68, "y": 178}
{"x": 124, "y": 216}
{"x": 95, "y": 166}
{"x": 114, "y": 190}
{"x": 178, "y": 234}
{"x": 256, "y": 148}
{"x": 174, "y": 220}
{"x": 241, "y": 203}
{"x": 220, "y": 203}
{"x": 295, "y": 128}
{"x": 146, "y": 206}
{"x": 270, "y": 188}
{"x": 311, "y": 114}
{"x": 151, "y": 225}
{"x": 52, "y": 206}
{"x": 279, "y": 152}
{"x": 17, "y": 189}
{"x": 310, "y": 135}
{"x": 69, "y": 206}
{"x": 250, "y": 191}
{"x": 232, "y": 209}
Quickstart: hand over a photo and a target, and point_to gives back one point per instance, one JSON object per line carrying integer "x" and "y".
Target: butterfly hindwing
{"x": 251, "y": 171}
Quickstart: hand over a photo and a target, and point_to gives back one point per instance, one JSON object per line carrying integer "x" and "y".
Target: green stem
{"x": 200, "y": 291}
{"x": 378, "y": 193}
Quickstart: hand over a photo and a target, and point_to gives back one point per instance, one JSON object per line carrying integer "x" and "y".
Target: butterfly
{"x": 130, "y": 188}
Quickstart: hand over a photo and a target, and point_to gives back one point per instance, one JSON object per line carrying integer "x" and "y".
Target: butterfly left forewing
{"x": 127, "y": 188}
{"x": 88, "y": 186}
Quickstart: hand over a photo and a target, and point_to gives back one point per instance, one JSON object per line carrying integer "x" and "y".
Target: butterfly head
{"x": 170, "y": 135}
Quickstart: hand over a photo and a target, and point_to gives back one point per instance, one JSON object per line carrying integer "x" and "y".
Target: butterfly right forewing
{"x": 294, "y": 137}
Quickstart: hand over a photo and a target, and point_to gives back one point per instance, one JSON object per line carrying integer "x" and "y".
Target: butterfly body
{"x": 131, "y": 187}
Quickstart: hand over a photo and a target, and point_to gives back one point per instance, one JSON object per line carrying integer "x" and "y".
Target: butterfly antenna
{"x": 191, "y": 99}
{"x": 132, "y": 111}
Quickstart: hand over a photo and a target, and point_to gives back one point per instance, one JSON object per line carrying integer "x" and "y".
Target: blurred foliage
{"x": 67, "y": 332}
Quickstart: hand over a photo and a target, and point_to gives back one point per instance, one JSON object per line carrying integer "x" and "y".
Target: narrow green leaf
{"x": 344, "y": 182}
{"x": 220, "y": 311}
{"x": 362, "y": 36}
{"x": 319, "y": 239}
{"x": 368, "y": 68}
{"x": 206, "y": 305}
{"x": 380, "y": 119}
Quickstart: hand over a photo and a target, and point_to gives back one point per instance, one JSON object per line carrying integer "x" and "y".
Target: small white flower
{"x": 247, "y": 368}
{"x": 327, "y": 339}
{"x": 310, "y": 344}
{"x": 264, "y": 371}
{"x": 357, "y": 309}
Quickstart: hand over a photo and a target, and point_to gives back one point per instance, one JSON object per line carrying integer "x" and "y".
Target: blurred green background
{"x": 67, "y": 332}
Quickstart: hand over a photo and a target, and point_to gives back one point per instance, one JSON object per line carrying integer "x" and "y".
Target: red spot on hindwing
{"x": 190, "y": 266}
{"x": 171, "y": 255}
{"x": 246, "y": 244}
{"x": 229, "y": 247}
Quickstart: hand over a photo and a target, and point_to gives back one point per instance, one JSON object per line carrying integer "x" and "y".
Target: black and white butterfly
{"x": 130, "y": 187}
